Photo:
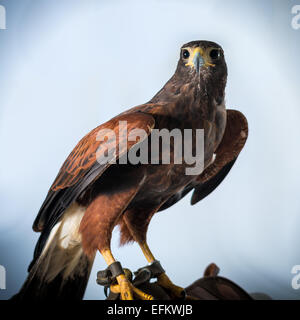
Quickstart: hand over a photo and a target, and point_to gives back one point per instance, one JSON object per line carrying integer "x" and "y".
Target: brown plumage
{"x": 129, "y": 195}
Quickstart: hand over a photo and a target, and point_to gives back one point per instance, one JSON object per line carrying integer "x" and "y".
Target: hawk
{"x": 89, "y": 198}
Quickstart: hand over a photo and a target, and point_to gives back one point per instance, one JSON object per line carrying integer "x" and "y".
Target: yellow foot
{"x": 127, "y": 290}
{"x": 174, "y": 291}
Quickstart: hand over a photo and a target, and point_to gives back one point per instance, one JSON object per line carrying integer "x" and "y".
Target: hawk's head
{"x": 201, "y": 67}
{"x": 201, "y": 59}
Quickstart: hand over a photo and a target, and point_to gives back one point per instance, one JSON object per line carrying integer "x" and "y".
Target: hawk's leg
{"x": 98, "y": 222}
{"x": 134, "y": 227}
{"x": 124, "y": 286}
{"x": 163, "y": 280}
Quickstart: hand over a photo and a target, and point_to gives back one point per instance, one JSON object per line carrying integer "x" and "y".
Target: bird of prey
{"x": 88, "y": 198}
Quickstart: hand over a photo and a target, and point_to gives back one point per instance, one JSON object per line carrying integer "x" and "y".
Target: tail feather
{"x": 62, "y": 269}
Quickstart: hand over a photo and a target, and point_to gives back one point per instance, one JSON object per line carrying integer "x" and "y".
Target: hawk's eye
{"x": 185, "y": 54}
{"x": 215, "y": 54}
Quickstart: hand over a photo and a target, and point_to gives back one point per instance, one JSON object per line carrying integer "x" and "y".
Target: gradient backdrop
{"x": 67, "y": 66}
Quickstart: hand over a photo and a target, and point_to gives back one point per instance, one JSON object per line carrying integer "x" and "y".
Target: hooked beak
{"x": 197, "y": 59}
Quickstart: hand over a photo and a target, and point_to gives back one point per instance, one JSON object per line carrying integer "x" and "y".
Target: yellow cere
{"x": 202, "y": 53}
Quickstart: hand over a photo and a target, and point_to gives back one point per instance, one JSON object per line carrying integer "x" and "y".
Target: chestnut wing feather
{"x": 81, "y": 167}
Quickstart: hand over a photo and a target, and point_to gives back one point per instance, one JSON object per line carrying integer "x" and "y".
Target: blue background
{"x": 67, "y": 66}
